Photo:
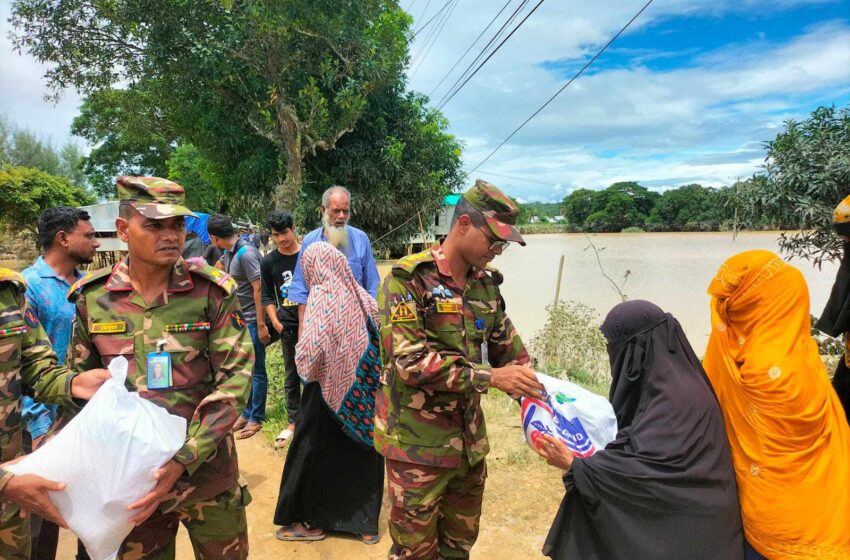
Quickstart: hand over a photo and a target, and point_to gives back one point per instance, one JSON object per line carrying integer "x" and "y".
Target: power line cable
{"x": 424, "y": 25}
{"x": 557, "y": 93}
{"x": 440, "y": 27}
{"x": 496, "y": 36}
{"x": 513, "y": 177}
{"x": 468, "y": 49}
{"x": 421, "y": 48}
{"x": 480, "y": 66}
{"x": 422, "y": 15}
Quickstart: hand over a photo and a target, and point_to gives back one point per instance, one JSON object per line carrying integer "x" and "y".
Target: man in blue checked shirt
{"x": 67, "y": 240}
{"x": 354, "y": 243}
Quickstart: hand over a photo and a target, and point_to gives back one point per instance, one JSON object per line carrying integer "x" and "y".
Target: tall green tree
{"x": 399, "y": 162}
{"x": 294, "y": 73}
{"x": 805, "y": 175}
{"x": 26, "y": 192}
{"x": 578, "y": 205}
{"x": 130, "y": 132}
{"x": 21, "y": 148}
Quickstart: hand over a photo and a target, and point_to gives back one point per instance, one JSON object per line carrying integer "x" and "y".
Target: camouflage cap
{"x": 153, "y": 197}
{"x": 499, "y": 211}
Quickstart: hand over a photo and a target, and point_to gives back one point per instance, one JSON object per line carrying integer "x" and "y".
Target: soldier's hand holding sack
{"x": 117, "y": 442}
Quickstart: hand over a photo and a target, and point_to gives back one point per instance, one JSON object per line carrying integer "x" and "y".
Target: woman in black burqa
{"x": 835, "y": 320}
{"x": 664, "y": 488}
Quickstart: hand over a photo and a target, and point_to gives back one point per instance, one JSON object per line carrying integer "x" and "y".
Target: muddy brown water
{"x": 672, "y": 270}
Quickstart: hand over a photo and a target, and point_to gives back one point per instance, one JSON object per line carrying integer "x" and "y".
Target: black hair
{"x": 56, "y": 219}
{"x": 279, "y": 220}
{"x": 220, "y": 226}
{"x": 464, "y": 208}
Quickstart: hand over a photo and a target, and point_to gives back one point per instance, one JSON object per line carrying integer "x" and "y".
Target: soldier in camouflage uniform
{"x": 154, "y": 303}
{"x": 445, "y": 339}
{"x": 28, "y": 366}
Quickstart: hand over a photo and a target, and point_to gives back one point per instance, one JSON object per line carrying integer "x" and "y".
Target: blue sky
{"x": 689, "y": 94}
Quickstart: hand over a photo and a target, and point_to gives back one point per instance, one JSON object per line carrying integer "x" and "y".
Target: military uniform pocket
{"x": 425, "y": 427}
{"x": 110, "y": 346}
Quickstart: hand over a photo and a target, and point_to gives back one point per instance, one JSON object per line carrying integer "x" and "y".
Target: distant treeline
{"x": 629, "y": 205}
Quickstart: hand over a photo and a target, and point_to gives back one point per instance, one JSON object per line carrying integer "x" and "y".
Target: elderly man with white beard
{"x": 354, "y": 243}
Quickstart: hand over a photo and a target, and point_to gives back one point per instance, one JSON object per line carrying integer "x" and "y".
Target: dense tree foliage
{"x": 629, "y": 205}
{"x": 248, "y": 102}
{"x": 805, "y": 175}
{"x": 26, "y": 192}
{"x": 295, "y": 73}
{"x": 21, "y": 148}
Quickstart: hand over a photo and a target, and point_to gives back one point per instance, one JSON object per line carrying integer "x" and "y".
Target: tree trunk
{"x": 287, "y": 193}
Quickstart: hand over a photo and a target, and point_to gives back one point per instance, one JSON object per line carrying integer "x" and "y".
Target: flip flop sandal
{"x": 240, "y": 423}
{"x": 290, "y": 533}
{"x": 282, "y": 438}
{"x": 250, "y": 429}
{"x": 370, "y": 539}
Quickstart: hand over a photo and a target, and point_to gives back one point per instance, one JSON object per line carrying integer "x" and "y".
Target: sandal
{"x": 282, "y": 438}
{"x": 298, "y": 532}
{"x": 250, "y": 429}
{"x": 240, "y": 423}
{"x": 370, "y": 539}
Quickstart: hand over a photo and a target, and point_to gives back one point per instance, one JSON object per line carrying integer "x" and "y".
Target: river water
{"x": 672, "y": 270}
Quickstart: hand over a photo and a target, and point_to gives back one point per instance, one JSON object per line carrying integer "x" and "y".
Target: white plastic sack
{"x": 583, "y": 420}
{"x": 107, "y": 455}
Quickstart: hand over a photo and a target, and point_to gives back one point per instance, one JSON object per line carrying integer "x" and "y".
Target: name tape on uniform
{"x": 448, "y": 307}
{"x": 108, "y": 328}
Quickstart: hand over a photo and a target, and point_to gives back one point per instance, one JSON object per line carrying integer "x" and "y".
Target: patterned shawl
{"x": 334, "y": 335}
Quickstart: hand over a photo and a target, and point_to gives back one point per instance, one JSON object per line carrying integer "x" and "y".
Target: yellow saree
{"x": 786, "y": 427}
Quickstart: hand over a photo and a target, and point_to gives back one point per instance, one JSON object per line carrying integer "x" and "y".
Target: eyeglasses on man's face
{"x": 496, "y": 245}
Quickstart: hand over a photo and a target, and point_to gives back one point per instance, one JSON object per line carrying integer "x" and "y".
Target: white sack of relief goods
{"x": 107, "y": 456}
{"x": 583, "y": 420}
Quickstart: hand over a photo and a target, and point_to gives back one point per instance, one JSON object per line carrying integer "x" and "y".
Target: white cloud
{"x": 700, "y": 123}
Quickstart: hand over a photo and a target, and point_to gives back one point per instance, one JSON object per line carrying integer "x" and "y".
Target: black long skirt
{"x": 329, "y": 481}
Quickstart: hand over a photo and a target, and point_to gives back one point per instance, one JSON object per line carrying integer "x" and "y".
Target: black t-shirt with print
{"x": 276, "y": 270}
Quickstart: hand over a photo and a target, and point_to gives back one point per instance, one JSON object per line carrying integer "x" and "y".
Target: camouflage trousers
{"x": 217, "y": 528}
{"x": 14, "y": 533}
{"x": 434, "y": 511}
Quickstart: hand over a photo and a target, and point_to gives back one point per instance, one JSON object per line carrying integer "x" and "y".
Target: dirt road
{"x": 522, "y": 495}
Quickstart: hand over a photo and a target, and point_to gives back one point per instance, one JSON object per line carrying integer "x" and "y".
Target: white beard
{"x": 337, "y": 236}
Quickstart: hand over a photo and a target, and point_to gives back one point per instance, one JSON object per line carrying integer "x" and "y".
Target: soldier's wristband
{"x": 481, "y": 377}
{"x": 5, "y": 477}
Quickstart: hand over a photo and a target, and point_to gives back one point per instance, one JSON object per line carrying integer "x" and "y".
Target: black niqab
{"x": 665, "y": 487}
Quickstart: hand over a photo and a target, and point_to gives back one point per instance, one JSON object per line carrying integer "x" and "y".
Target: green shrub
{"x": 571, "y": 346}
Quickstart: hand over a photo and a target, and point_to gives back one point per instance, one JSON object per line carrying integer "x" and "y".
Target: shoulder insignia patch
{"x": 89, "y": 278}
{"x": 405, "y": 266}
{"x": 9, "y": 275}
{"x": 211, "y": 273}
{"x": 237, "y": 321}
{"x": 403, "y": 312}
{"x": 31, "y": 319}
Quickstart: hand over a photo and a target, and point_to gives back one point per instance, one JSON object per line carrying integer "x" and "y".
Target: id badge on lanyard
{"x": 159, "y": 368}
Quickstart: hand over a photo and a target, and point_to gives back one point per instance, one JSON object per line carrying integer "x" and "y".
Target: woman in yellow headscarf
{"x": 789, "y": 438}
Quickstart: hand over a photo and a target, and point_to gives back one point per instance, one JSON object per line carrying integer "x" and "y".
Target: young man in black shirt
{"x": 276, "y": 271}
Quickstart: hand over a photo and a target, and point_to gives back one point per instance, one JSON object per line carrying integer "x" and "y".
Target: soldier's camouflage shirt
{"x": 27, "y": 366}
{"x": 428, "y": 410}
{"x": 211, "y": 361}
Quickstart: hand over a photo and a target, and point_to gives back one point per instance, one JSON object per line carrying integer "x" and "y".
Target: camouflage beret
{"x": 153, "y": 197}
{"x": 499, "y": 211}
{"x": 841, "y": 217}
